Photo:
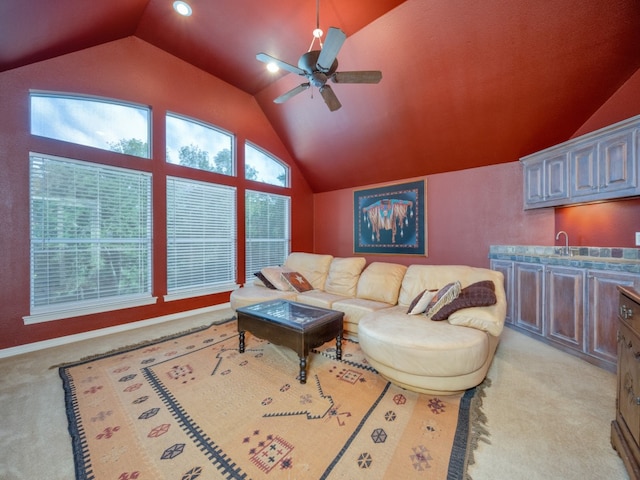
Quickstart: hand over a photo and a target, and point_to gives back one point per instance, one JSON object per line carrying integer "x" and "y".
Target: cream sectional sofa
{"x": 419, "y": 354}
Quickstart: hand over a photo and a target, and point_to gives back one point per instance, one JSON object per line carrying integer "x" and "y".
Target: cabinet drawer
{"x": 629, "y": 380}
{"x": 629, "y": 311}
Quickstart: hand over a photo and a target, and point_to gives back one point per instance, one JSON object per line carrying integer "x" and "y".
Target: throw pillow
{"x": 297, "y": 281}
{"x": 419, "y": 304}
{"x": 445, "y": 295}
{"x": 274, "y": 275}
{"x": 265, "y": 280}
{"x": 480, "y": 294}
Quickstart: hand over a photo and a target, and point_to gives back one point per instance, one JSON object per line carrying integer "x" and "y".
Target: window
{"x": 201, "y": 238}
{"x": 263, "y": 167}
{"x": 268, "y": 238}
{"x": 197, "y": 145}
{"x": 90, "y": 238}
{"x": 93, "y": 122}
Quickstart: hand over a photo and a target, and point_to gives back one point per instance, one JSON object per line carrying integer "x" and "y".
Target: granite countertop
{"x": 597, "y": 258}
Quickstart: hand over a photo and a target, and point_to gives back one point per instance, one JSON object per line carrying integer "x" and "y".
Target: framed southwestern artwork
{"x": 390, "y": 219}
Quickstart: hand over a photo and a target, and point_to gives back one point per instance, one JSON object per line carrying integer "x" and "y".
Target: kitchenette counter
{"x": 598, "y": 258}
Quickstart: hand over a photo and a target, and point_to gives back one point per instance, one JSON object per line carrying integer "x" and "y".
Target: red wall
{"x": 129, "y": 70}
{"x": 469, "y": 210}
{"x": 611, "y": 224}
{"x": 466, "y": 212}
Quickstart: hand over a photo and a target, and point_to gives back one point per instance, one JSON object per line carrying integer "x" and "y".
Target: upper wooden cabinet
{"x": 598, "y": 166}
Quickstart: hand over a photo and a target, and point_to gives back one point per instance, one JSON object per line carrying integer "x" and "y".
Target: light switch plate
{"x": 637, "y": 239}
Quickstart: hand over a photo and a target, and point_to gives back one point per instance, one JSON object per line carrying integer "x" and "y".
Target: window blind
{"x": 201, "y": 236}
{"x": 90, "y": 233}
{"x": 267, "y": 230}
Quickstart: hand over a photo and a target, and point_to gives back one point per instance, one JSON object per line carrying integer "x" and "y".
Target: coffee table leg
{"x": 241, "y": 336}
{"x": 339, "y": 347}
{"x": 303, "y": 369}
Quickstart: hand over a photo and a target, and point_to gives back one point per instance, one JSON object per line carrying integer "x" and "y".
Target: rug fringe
{"x": 478, "y": 431}
{"x": 144, "y": 343}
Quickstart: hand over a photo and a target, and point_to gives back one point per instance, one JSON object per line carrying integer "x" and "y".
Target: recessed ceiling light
{"x": 273, "y": 67}
{"x": 183, "y": 8}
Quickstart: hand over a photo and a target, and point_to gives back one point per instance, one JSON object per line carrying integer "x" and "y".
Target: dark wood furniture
{"x": 293, "y": 325}
{"x": 625, "y": 429}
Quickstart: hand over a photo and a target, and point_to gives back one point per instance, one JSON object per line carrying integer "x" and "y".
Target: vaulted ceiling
{"x": 465, "y": 83}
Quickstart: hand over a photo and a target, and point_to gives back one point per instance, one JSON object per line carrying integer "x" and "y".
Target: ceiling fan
{"x": 319, "y": 66}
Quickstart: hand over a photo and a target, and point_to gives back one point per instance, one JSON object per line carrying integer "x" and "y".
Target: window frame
{"x": 201, "y": 123}
{"x": 38, "y": 314}
{"x": 99, "y": 100}
{"x": 273, "y": 158}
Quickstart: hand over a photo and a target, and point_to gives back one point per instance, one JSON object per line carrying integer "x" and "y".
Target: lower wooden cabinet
{"x": 625, "y": 429}
{"x": 568, "y": 307}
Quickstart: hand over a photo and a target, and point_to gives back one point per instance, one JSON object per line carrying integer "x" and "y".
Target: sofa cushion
{"x": 274, "y": 276}
{"x": 420, "y": 303}
{"x": 381, "y": 282}
{"x": 343, "y": 276}
{"x": 479, "y": 294}
{"x": 297, "y": 281}
{"x": 434, "y": 277}
{"x": 312, "y": 266}
{"x": 444, "y": 296}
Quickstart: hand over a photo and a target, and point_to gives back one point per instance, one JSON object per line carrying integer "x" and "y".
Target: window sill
{"x": 47, "y": 314}
{"x": 199, "y": 292}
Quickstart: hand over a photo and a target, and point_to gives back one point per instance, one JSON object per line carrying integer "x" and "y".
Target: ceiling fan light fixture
{"x": 183, "y": 8}
{"x": 318, "y": 33}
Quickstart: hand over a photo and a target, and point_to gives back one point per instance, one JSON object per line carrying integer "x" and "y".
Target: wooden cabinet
{"x": 564, "y": 305}
{"x": 506, "y": 268}
{"x": 605, "y": 167}
{"x": 547, "y": 180}
{"x": 598, "y": 166}
{"x": 625, "y": 429}
{"x": 528, "y": 296}
{"x": 603, "y": 307}
{"x": 568, "y": 307}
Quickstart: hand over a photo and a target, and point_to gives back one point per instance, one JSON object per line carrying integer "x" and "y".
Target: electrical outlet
{"x": 637, "y": 239}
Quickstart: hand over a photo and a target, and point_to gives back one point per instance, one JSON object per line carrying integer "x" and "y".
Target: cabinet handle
{"x": 626, "y": 312}
{"x": 628, "y": 386}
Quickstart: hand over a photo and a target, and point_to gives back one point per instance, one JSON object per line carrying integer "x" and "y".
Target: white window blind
{"x": 90, "y": 234}
{"x": 201, "y": 237}
{"x": 268, "y": 232}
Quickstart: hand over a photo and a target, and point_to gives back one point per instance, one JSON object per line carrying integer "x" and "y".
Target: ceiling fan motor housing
{"x": 309, "y": 63}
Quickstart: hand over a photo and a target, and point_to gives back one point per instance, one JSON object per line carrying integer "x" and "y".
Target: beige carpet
{"x": 548, "y": 413}
{"x": 194, "y": 407}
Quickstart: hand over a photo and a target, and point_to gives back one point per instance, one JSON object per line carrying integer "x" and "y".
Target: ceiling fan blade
{"x": 265, "y": 58}
{"x": 330, "y": 98}
{"x": 286, "y": 96}
{"x": 364, "y": 76}
{"x": 330, "y": 48}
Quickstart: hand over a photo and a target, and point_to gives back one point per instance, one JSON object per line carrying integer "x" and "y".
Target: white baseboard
{"x": 56, "y": 342}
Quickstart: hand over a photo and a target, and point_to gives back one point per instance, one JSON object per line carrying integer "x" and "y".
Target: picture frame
{"x": 391, "y": 219}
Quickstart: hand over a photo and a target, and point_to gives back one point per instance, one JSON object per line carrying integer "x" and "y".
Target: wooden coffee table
{"x": 293, "y": 325}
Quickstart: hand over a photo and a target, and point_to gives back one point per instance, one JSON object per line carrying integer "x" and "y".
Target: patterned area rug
{"x": 194, "y": 407}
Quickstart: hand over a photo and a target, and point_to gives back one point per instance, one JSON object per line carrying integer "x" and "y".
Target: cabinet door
{"x": 506, "y": 267}
{"x": 584, "y": 170}
{"x": 564, "y": 306}
{"x": 528, "y": 296}
{"x": 602, "y": 324}
{"x": 533, "y": 183}
{"x": 556, "y": 177}
{"x": 629, "y": 380}
{"x": 617, "y": 165}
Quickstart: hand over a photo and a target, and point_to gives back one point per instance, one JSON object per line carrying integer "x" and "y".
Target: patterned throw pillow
{"x": 265, "y": 280}
{"x": 445, "y": 295}
{"x": 297, "y": 281}
{"x": 274, "y": 275}
{"x": 480, "y": 294}
{"x": 419, "y": 304}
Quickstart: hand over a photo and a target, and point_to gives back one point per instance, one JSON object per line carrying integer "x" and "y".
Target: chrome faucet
{"x": 565, "y": 250}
